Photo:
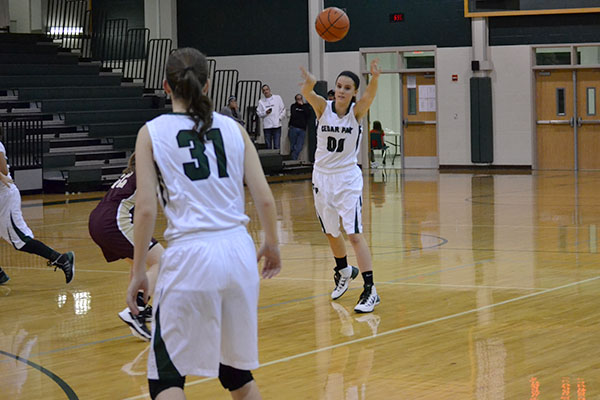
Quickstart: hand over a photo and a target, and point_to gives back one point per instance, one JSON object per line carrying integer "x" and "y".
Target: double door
{"x": 568, "y": 120}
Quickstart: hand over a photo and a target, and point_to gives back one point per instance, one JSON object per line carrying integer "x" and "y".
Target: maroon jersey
{"x": 111, "y": 222}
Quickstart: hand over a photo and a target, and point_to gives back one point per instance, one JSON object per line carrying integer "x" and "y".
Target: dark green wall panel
{"x": 544, "y": 29}
{"x": 237, "y": 27}
{"x": 482, "y": 127}
{"x": 426, "y": 22}
{"x": 131, "y": 10}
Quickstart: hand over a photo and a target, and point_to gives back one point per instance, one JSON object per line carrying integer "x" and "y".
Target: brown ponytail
{"x": 130, "y": 164}
{"x": 187, "y": 73}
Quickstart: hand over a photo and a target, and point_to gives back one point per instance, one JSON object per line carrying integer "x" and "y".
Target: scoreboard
{"x": 498, "y": 8}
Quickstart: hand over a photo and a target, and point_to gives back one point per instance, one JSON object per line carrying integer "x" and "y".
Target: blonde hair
{"x": 130, "y": 164}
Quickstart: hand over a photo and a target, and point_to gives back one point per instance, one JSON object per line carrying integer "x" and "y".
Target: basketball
{"x": 332, "y": 24}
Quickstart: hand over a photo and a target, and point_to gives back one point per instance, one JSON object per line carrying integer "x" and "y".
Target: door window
{"x": 591, "y": 101}
{"x": 560, "y": 101}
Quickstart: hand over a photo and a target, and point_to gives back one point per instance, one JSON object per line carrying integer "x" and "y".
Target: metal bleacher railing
{"x": 22, "y": 137}
{"x": 247, "y": 93}
{"x": 156, "y": 63}
{"x": 224, "y": 84}
{"x": 212, "y": 67}
{"x": 135, "y": 53}
{"x": 110, "y": 42}
{"x": 66, "y": 21}
{"x": 111, "y": 51}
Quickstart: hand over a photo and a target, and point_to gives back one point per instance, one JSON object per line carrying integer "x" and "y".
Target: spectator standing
{"x": 297, "y": 126}
{"x": 272, "y": 110}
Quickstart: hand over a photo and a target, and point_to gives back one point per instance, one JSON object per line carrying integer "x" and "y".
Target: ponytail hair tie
{"x": 186, "y": 69}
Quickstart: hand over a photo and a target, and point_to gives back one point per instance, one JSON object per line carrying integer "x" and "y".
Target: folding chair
{"x": 377, "y": 143}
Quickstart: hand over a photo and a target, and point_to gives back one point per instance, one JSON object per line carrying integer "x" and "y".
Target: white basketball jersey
{"x": 3, "y": 188}
{"x": 201, "y": 183}
{"x": 338, "y": 141}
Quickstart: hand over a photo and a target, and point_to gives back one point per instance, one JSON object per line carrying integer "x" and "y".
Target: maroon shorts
{"x": 116, "y": 242}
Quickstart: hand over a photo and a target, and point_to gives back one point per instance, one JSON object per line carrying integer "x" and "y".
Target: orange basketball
{"x": 332, "y": 24}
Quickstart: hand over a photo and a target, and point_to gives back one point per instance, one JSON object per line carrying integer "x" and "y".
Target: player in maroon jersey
{"x": 111, "y": 228}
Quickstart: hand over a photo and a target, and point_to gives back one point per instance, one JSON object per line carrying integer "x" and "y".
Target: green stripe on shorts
{"x": 164, "y": 365}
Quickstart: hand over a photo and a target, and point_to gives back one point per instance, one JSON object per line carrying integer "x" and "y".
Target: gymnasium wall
{"x": 513, "y": 103}
{"x": 226, "y": 28}
{"x": 544, "y": 29}
{"x": 513, "y": 92}
{"x": 512, "y": 96}
{"x": 426, "y": 22}
{"x": 280, "y": 71}
{"x": 259, "y": 27}
{"x": 20, "y": 12}
{"x": 132, "y": 10}
{"x": 453, "y": 105}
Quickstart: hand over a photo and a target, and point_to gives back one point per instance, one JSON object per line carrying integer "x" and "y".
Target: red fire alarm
{"x": 454, "y": 78}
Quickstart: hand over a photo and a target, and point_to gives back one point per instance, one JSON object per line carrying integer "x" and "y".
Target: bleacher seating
{"x": 92, "y": 92}
{"x": 90, "y": 117}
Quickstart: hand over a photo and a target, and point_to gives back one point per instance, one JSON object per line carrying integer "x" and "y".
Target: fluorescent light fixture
{"x": 67, "y": 30}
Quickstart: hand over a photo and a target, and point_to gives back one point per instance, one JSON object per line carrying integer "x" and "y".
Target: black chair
{"x": 377, "y": 143}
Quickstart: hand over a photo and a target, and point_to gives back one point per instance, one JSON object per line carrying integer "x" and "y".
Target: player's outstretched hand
{"x": 138, "y": 282}
{"x": 375, "y": 70}
{"x": 309, "y": 79}
{"x": 272, "y": 264}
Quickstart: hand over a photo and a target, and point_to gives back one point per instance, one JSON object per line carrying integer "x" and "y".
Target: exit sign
{"x": 396, "y": 17}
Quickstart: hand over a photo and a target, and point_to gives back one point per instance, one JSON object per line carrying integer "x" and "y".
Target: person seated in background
{"x": 232, "y": 110}
{"x": 377, "y": 144}
{"x": 331, "y": 95}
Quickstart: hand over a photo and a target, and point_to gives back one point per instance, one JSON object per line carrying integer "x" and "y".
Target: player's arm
{"x": 317, "y": 102}
{"x": 4, "y": 179}
{"x": 144, "y": 217}
{"x": 362, "y": 105}
{"x": 281, "y": 109}
{"x": 3, "y": 164}
{"x": 265, "y": 206}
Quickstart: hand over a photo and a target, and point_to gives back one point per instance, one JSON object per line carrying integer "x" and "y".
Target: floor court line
{"x": 78, "y": 346}
{"x": 395, "y": 282}
{"x": 404, "y": 328}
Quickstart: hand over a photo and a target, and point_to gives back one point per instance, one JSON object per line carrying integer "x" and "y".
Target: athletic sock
{"x": 340, "y": 263}
{"x": 368, "y": 277}
{"x": 36, "y": 247}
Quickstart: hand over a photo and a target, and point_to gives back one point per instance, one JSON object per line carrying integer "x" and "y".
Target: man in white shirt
{"x": 272, "y": 111}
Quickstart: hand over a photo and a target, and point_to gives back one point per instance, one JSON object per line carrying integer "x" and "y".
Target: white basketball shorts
{"x": 205, "y": 306}
{"x": 12, "y": 225}
{"x": 339, "y": 195}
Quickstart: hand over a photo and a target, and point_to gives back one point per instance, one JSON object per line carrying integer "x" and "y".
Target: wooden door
{"x": 419, "y": 115}
{"x": 588, "y": 118}
{"x": 554, "y": 106}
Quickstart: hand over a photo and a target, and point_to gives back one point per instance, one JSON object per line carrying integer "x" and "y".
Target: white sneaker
{"x": 342, "y": 280}
{"x": 137, "y": 324}
{"x": 368, "y": 300}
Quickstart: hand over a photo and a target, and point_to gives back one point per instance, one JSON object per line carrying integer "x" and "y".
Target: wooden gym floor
{"x": 490, "y": 288}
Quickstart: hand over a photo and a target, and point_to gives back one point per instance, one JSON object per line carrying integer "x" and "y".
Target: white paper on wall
{"x": 427, "y": 98}
{"x": 411, "y": 81}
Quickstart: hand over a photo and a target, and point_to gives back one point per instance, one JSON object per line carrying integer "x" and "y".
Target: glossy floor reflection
{"x": 489, "y": 290}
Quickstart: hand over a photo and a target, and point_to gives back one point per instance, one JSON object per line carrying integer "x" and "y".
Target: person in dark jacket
{"x": 297, "y": 125}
